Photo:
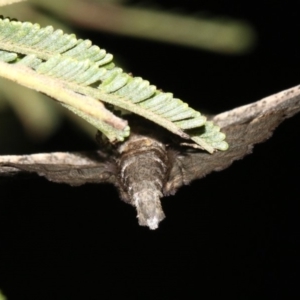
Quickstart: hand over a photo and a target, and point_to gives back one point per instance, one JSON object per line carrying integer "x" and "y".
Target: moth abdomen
{"x": 143, "y": 169}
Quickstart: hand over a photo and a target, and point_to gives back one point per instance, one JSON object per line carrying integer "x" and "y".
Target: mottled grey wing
{"x": 244, "y": 127}
{"x": 70, "y": 168}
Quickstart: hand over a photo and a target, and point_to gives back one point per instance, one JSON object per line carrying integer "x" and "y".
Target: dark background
{"x": 233, "y": 233}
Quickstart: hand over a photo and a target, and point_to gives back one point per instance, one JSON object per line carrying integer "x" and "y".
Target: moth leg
{"x": 177, "y": 175}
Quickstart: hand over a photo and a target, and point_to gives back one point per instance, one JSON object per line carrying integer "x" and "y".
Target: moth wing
{"x": 71, "y": 168}
{"x": 244, "y": 127}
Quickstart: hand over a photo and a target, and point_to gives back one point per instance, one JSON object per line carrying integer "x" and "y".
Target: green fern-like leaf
{"x": 88, "y": 70}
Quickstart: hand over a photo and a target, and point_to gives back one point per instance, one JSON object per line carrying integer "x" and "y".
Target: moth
{"x": 147, "y": 160}
{"x": 150, "y": 165}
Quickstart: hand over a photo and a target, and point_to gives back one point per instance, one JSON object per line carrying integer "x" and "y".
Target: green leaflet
{"x": 2, "y": 297}
{"x": 86, "y": 69}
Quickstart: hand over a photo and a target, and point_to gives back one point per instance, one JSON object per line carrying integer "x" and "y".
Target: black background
{"x": 233, "y": 233}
